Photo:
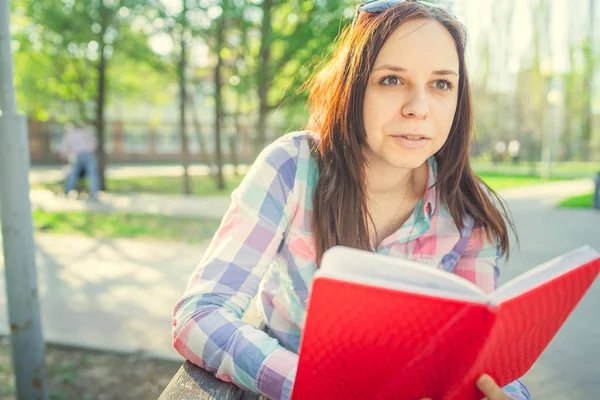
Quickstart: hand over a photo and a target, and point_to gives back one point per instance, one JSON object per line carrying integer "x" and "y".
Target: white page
{"x": 373, "y": 269}
{"x": 363, "y": 267}
{"x": 544, "y": 273}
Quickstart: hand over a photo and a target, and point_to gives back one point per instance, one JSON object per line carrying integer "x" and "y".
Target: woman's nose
{"x": 416, "y": 106}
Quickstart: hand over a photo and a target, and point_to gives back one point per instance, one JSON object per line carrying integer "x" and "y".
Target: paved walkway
{"x": 175, "y": 205}
{"x": 119, "y": 294}
{"x": 215, "y": 207}
{"x": 570, "y": 366}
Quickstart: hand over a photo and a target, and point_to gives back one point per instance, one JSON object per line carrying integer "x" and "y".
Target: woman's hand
{"x": 490, "y": 388}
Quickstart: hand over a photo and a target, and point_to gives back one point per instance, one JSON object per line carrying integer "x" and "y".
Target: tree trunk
{"x": 567, "y": 134}
{"x": 244, "y": 145}
{"x": 100, "y": 101}
{"x": 187, "y": 188}
{"x": 219, "y": 101}
{"x": 264, "y": 77}
{"x": 540, "y": 24}
{"x": 234, "y": 139}
{"x": 590, "y": 68}
{"x": 520, "y": 122}
{"x": 198, "y": 128}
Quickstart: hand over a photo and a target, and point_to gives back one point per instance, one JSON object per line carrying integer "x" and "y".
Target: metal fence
{"x": 141, "y": 142}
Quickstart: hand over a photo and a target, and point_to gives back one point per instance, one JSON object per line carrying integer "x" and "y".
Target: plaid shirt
{"x": 265, "y": 246}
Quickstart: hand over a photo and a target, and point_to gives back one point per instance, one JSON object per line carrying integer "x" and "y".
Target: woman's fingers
{"x": 490, "y": 389}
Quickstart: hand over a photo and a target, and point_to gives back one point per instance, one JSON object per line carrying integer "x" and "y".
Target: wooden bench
{"x": 194, "y": 383}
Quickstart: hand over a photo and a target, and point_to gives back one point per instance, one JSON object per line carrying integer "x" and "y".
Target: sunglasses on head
{"x": 380, "y": 6}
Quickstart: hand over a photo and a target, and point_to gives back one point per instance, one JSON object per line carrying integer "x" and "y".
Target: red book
{"x": 379, "y": 327}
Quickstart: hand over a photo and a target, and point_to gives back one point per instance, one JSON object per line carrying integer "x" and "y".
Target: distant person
{"x": 499, "y": 151}
{"x": 79, "y": 148}
{"x": 514, "y": 149}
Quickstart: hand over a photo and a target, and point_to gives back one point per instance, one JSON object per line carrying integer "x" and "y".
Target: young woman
{"x": 385, "y": 168}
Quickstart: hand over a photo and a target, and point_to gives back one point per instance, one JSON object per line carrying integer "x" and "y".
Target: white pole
{"x": 17, "y": 232}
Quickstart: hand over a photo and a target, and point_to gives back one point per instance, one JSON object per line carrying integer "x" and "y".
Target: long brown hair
{"x": 340, "y": 214}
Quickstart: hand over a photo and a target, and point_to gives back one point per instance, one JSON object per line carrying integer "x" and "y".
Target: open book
{"x": 379, "y": 327}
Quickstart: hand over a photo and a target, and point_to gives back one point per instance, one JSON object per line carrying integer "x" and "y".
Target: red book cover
{"x": 394, "y": 329}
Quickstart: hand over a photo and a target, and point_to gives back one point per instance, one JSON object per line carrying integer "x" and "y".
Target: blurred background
{"x": 183, "y": 94}
{"x": 232, "y": 70}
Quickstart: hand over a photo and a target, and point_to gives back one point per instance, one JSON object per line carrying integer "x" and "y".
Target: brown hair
{"x": 340, "y": 214}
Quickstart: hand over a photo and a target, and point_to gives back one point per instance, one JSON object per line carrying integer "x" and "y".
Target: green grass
{"x": 499, "y": 176}
{"x": 193, "y": 230}
{"x": 499, "y": 181}
{"x": 206, "y": 186}
{"x": 201, "y": 185}
{"x": 583, "y": 201}
{"x": 572, "y": 169}
{"x": 125, "y": 225}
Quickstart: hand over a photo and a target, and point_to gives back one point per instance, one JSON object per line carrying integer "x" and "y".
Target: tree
{"x": 570, "y": 101}
{"x": 57, "y": 80}
{"x": 184, "y": 22}
{"x": 590, "y": 68}
{"x": 538, "y": 82}
{"x": 219, "y": 41}
{"x": 82, "y": 34}
{"x": 53, "y": 78}
{"x": 294, "y": 36}
{"x": 183, "y": 34}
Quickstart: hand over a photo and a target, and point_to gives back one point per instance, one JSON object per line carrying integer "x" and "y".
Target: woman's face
{"x": 411, "y": 95}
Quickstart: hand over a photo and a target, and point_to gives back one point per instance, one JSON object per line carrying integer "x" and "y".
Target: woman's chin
{"x": 408, "y": 161}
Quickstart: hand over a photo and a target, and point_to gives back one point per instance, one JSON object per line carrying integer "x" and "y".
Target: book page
{"x": 544, "y": 273}
{"x": 373, "y": 269}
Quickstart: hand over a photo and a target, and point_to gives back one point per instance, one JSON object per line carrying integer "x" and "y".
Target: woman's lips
{"x": 412, "y": 141}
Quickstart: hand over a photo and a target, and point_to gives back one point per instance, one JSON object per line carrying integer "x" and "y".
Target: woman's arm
{"x": 516, "y": 390}
{"x": 207, "y": 325}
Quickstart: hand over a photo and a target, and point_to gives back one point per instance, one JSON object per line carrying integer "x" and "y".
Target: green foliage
{"x": 300, "y": 44}
{"x": 57, "y": 51}
{"x": 302, "y": 35}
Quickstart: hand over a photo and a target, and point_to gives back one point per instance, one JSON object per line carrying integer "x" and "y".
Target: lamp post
{"x": 17, "y": 232}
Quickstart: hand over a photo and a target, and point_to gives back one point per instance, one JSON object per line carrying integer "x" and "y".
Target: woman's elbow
{"x": 192, "y": 309}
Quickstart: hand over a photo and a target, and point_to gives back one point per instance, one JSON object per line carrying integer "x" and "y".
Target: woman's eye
{"x": 443, "y": 85}
{"x": 391, "y": 81}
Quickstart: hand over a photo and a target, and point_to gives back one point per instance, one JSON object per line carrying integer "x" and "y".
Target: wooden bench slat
{"x": 194, "y": 383}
